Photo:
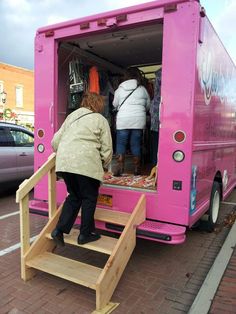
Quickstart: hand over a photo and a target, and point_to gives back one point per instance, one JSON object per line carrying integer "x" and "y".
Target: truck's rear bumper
{"x": 149, "y": 229}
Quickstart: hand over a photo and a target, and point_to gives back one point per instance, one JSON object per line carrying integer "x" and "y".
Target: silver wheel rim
{"x": 215, "y": 206}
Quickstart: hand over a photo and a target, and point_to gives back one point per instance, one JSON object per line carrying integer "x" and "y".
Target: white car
{"x": 16, "y": 153}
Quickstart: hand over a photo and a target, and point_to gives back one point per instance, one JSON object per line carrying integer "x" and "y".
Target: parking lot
{"x": 159, "y": 278}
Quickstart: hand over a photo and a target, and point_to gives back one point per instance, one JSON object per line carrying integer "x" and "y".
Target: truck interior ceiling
{"x": 110, "y": 53}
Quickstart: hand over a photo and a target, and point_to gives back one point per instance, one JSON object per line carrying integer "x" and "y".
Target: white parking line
{"x": 9, "y": 215}
{"x": 14, "y": 247}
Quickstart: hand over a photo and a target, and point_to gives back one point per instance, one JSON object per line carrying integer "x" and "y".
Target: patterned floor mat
{"x": 130, "y": 180}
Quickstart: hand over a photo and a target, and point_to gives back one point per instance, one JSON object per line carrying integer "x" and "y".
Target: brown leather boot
{"x": 120, "y": 166}
{"x": 137, "y": 165}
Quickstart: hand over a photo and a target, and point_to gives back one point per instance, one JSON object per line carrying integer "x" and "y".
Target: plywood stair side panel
{"x": 42, "y": 244}
{"x": 74, "y": 271}
{"x": 119, "y": 258}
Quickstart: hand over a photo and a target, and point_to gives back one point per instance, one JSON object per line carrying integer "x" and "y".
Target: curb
{"x": 205, "y": 296}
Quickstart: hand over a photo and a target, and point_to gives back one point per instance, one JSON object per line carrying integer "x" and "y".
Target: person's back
{"x": 131, "y": 100}
{"x": 80, "y": 147}
{"x": 132, "y": 113}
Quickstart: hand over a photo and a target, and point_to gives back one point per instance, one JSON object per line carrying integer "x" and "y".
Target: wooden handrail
{"x": 29, "y": 184}
{"x": 22, "y": 197}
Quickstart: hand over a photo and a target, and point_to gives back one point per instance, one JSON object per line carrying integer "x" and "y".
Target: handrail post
{"x": 22, "y": 197}
{"x": 24, "y": 225}
{"x": 25, "y": 236}
{"x": 52, "y": 192}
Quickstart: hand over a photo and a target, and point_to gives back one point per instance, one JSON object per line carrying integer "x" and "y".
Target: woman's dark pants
{"x": 82, "y": 192}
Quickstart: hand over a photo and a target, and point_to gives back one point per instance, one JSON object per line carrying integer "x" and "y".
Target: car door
{"x": 24, "y": 145}
{"x": 8, "y": 159}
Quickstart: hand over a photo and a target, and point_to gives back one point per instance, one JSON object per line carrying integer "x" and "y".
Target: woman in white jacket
{"x": 131, "y": 101}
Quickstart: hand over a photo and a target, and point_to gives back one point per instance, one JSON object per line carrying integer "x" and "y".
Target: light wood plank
{"x": 52, "y": 196}
{"x": 66, "y": 268}
{"x": 26, "y": 273}
{"x": 112, "y": 216}
{"x": 24, "y": 225}
{"x": 104, "y": 245}
{"x": 42, "y": 244}
{"x": 117, "y": 262}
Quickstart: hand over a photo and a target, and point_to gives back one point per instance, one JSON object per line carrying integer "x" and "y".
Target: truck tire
{"x": 213, "y": 212}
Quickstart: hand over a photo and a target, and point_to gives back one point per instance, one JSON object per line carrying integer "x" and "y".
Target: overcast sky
{"x": 21, "y": 18}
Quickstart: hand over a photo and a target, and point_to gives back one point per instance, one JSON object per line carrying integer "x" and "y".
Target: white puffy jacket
{"x": 132, "y": 114}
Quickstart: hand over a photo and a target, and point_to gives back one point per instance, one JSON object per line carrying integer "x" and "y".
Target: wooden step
{"x": 104, "y": 245}
{"x": 77, "y": 272}
{"x": 111, "y": 216}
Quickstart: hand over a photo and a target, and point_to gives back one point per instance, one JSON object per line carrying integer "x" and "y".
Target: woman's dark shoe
{"x": 137, "y": 172}
{"x": 82, "y": 239}
{"x": 58, "y": 237}
{"x": 119, "y": 170}
{"x": 137, "y": 166}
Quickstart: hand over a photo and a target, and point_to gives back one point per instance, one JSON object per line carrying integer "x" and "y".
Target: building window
{"x": 19, "y": 96}
{"x": 1, "y": 90}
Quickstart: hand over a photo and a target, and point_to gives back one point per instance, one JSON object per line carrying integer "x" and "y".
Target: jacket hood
{"x": 129, "y": 84}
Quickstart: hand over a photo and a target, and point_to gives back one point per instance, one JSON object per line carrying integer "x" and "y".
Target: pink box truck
{"x": 197, "y": 135}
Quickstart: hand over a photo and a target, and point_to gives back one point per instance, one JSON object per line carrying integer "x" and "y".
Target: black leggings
{"x": 82, "y": 192}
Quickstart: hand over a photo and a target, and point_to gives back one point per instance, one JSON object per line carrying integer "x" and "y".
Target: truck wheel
{"x": 213, "y": 211}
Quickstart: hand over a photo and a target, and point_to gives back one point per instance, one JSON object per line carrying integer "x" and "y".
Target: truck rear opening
{"x": 111, "y": 52}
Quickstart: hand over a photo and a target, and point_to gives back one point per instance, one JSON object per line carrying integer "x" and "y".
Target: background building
{"x": 16, "y": 95}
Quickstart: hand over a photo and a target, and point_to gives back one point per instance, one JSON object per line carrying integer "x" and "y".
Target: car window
{"x": 22, "y": 138}
{"x": 6, "y": 139}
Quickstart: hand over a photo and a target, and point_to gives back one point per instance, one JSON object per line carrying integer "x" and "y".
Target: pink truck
{"x": 197, "y": 135}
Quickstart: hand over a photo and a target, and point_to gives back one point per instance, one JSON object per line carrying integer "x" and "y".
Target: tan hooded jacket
{"x": 83, "y": 146}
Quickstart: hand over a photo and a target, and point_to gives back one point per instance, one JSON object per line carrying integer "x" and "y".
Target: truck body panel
{"x": 197, "y": 100}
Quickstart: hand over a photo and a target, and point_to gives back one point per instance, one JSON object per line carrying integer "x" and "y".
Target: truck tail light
{"x": 40, "y": 148}
{"x": 40, "y": 133}
{"x": 178, "y": 155}
{"x": 179, "y": 136}
{"x": 49, "y": 33}
{"x": 84, "y": 25}
{"x": 170, "y": 7}
{"x": 121, "y": 18}
{"x": 101, "y": 22}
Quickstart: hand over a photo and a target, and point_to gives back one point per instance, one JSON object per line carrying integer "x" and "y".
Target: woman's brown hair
{"x": 93, "y": 102}
{"x": 133, "y": 73}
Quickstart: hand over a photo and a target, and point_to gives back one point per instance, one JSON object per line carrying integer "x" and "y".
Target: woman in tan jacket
{"x": 83, "y": 148}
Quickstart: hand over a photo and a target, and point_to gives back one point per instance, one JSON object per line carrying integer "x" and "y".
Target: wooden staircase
{"x": 40, "y": 256}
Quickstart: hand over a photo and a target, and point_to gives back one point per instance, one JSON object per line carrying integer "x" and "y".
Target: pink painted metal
{"x": 198, "y": 98}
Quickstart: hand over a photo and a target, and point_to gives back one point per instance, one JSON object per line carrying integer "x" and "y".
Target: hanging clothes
{"x": 154, "y": 112}
{"x": 108, "y": 93}
{"x": 94, "y": 80}
{"x": 155, "y": 104}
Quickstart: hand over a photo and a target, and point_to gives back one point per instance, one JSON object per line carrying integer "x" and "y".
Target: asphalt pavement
{"x": 159, "y": 278}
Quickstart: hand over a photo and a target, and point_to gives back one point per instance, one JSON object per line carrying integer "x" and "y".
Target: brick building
{"x": 16, "y": 94}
